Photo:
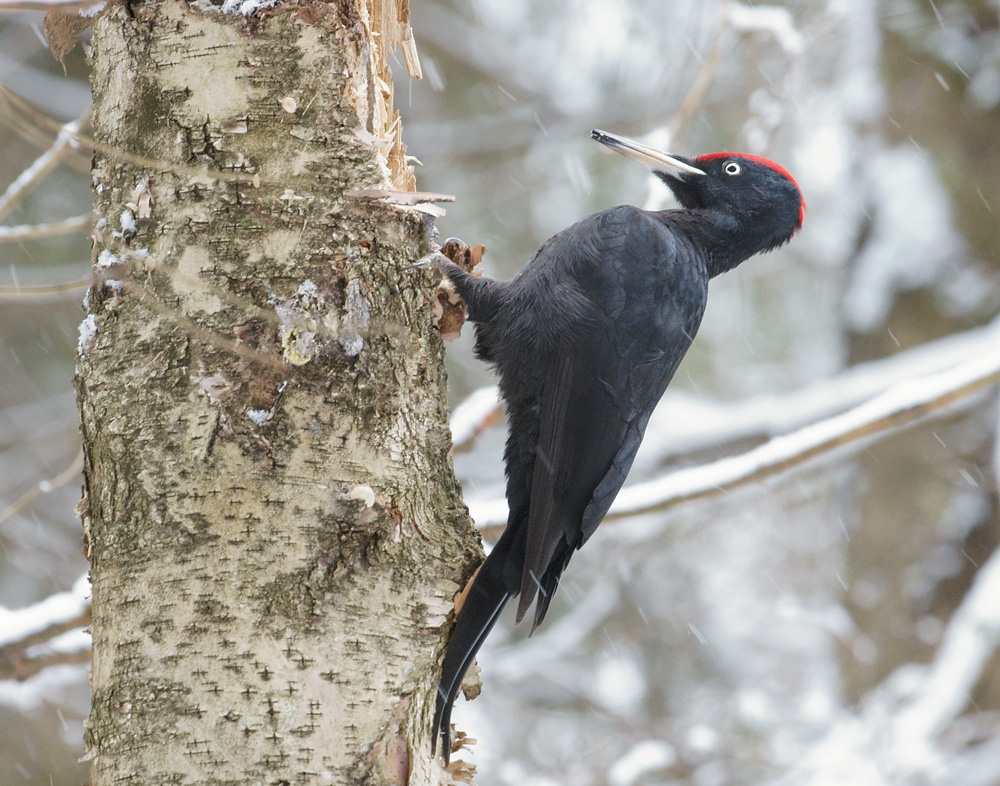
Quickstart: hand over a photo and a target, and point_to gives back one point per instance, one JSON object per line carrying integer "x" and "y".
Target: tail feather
{"x": 550, "y": 582}
{"x": 479, "y": 614}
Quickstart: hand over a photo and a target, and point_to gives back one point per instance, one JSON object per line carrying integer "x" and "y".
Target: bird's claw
{"x": 436, "y": 260}
{"x": 453, "y": 251}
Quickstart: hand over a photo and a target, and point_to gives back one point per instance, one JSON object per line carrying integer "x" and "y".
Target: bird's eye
{"x": 732, "y": 168}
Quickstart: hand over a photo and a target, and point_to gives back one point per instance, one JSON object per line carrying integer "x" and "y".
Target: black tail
{"x": 479, "y": 614}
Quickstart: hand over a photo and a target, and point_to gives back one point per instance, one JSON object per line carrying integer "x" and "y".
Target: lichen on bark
{"x": 274, "y": 525}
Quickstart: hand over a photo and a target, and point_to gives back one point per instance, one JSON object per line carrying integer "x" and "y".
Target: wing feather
{"x": 599, "y": 389}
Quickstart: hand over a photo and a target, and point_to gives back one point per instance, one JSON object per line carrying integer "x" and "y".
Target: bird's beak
{"x": 654, "y": 159}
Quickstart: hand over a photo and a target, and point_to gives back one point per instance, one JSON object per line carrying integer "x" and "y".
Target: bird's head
{"x": 759, "y": 197}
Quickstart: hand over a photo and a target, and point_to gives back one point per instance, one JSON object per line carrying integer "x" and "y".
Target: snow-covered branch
{"x": 480, "y": 410}
{"x": 902, "y": 404}
{"x": 684, "y": 423}
{"x": 45, "y": 633}
{"x": 40, "y": 166}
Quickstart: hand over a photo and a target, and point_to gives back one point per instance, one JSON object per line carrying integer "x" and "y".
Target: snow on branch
{"x": 41, "y": 166}
{"x": 684, "y": 423}
{"x": 45, "y": 633}
{"x": 902, "y": 404}
{"x": 22, "y": 232}
{"x": 768, "y": 19}
{"x": 480, "y": 410}
{"x": 972, "y": 636}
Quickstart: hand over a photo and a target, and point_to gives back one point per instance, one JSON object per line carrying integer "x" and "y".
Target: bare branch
{"x": 43, "y": 487}
{"x": 46, "y": 5}
{"x": 23, "y": 232}
{"x": 44, "y": 292}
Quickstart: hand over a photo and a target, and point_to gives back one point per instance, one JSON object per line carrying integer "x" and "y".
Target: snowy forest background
{"x": 837, "y": 622}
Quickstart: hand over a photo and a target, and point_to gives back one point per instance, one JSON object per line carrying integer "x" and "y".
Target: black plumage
{"x": 585, "y": 340}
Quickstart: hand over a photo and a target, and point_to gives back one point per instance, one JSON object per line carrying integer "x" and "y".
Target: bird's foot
{"x": 453, "y": 251}
{"x": 453, "y": 258}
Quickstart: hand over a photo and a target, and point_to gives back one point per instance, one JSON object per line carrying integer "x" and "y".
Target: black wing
{"x": 599, "y": 389}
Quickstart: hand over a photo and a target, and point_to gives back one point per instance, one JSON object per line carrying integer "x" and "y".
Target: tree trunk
{"x": 275, "y": 529}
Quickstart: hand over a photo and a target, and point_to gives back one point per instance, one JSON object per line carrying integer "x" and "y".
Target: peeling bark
{"x": 275, "y": 529}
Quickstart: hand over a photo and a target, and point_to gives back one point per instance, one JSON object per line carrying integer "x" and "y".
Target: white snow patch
{"x": 246, "y": 7}
{"x": 76, "y": 640}
{"x": 467, "y": 418}
{"x": 90, "y": 11}
{"x": 363, "y": 493}
{"x": 912, "y": 244}
{"x": 308, "y": 288}
{"x": 39, "y": 689}
{"x": 619, "y": 685}
{"x": 702, "y": 738}
{"x": 107, "y": 259}
{"x": 88, "y": 331}
{"x": 18, "y": 624}
{"x": 127, "y": 221}
{"x": 258, "y": 416}
{"x": 643, "y": 757}
{"x": 768, "y": 19}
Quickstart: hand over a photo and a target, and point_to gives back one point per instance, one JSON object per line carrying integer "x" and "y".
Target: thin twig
{"x": 43, "y": 487}
{"x": 44, "y": 292}
{"x": 46, "y": 5}
{"x": 41, "y": 166}
{"x": 703, "y": 79}
{"x": 157, "y": 165}
{"x": 22, "y": 232}
{"x": 18, "y": 104}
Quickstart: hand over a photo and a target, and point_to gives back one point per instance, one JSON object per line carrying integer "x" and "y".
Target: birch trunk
{"x": 275, "y": 529}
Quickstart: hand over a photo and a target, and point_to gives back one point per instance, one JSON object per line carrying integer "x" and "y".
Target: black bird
{"x": 585, "y": 340}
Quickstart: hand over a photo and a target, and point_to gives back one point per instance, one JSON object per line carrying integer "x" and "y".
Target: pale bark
{"x": 275, "y": 529}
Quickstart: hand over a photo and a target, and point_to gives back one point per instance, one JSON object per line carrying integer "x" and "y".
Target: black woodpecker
{"x": 585, "y": 340}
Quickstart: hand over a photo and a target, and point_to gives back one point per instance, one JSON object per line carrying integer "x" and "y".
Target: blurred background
{"x": 837, "y": 623}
